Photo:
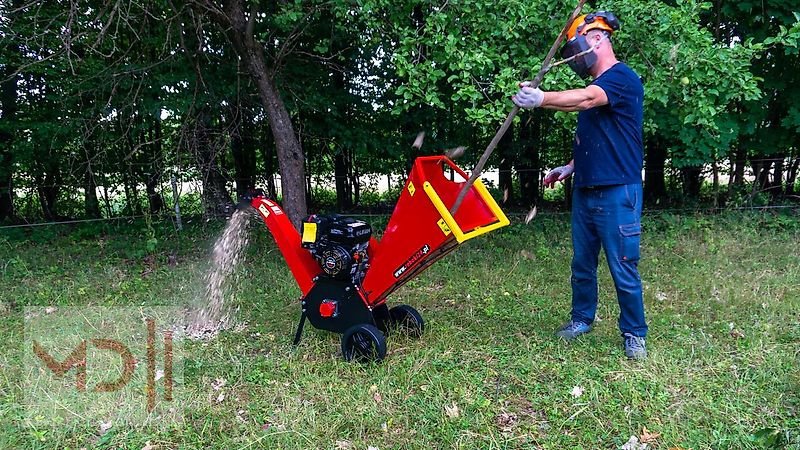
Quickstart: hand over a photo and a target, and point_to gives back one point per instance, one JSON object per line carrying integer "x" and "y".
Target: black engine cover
{"x": 339, "y": 244}
{"x": 342, "y": 230}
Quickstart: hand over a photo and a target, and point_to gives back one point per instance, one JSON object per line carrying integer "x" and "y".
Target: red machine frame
{"x": 420, "y": 231}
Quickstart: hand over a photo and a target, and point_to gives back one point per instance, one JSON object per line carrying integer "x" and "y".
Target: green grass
{"x": 488, "y": 353}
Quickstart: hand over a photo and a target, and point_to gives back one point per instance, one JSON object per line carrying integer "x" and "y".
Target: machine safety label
{"x": 443, "y": 225}
{"x": 309, "y": 232}
{"x": 274, "y": 207}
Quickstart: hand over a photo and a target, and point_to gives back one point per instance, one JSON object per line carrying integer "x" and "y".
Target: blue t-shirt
{"x": 608, "y": 141}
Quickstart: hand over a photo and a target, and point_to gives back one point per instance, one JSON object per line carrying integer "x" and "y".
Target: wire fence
{"x": 114, "y": 199}
{"x": 515, "y": 214}
{"x": 67, "y": 222}
{"x": 723, "y": 167}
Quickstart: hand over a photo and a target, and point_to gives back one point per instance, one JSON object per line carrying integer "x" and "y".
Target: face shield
{"x": 582, "y": 63}
{"x": 578, "y": 44}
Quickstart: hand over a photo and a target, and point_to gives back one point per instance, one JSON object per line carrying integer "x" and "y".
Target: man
{"x": 607, "y": 164}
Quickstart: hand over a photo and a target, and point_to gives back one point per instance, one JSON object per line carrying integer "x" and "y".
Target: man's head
{"x": 590, "y": 31}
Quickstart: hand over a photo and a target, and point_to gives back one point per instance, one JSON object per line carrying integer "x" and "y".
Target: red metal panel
{"x": 476, "y": 213}
{"x": 303, "y": 266}
{"x": 413, "y": 237}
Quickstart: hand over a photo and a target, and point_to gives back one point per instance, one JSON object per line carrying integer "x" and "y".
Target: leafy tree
{"x": 280, "y": 29}
{"x": 8, "y": 107}
{"x": 769, "y": 139}
{"x": 468, "y": 57}
{"x": 97, "y": 99}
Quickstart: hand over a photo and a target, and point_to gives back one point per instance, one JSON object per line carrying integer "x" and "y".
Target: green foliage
{"x": 470, "y": 56}
{"x": 768, "y": 125}
{"x": 127, "y": 98}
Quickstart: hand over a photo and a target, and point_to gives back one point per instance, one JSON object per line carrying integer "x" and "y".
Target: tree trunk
{"x": 131, "y": 192}
{"x": 762, "y": 180}
{"x": 530, "y": 137}
{"x": 130, "y": 179}
{"x": 216, "y": 199}
{"x": 355, "y": 183}
{"x": 761, "y": 169}
{"x": 106, "y": 199}
{"x": 154, "y": 199}
{"x": 655, "y": 188}
{"x": 739, "y": 162}
{"x": 506, "y": 175}
{"x": 341, "y": 169}
{"x": 91, "y": 202}
{"x": 777, "y": 179}
{"x": 48, "y": 180}
{"x": 715, "y": 176}
{"x": 244, "y": 155}
{"x": 791, "y": 176}
{"x": 344, "y": 195}
{"x": 691, "y": 182}
{"x": 6, "y": 179}
{"x": 47, "y": 199}
{"x": 8, "y": 103}
{"x": 152, "y": 180}
{"x": 290, "y": 154}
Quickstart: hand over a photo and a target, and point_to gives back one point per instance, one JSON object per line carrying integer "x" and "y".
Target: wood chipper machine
{"x": 345, "y": 273}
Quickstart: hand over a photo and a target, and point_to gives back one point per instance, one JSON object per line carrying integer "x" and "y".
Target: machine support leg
{"x": 299, "y": 332}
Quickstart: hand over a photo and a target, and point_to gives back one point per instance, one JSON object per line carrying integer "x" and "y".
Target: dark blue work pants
{"x": 608, "y": 216}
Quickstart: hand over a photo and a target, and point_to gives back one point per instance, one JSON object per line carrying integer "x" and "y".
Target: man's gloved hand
{"x": 528, "y": 97}
{"x": 557, "y": 174}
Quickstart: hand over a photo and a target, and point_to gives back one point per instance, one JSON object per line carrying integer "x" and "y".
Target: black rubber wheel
{"x": 406, "y": 319}
{"x": 363, "y": 343}
{"x": 382, "y": 319}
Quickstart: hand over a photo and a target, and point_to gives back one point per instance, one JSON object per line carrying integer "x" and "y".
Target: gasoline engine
{"x": 339, "y": 245}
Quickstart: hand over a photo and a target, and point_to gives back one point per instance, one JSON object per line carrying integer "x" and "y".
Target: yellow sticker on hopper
{"x": 443, "y": 225}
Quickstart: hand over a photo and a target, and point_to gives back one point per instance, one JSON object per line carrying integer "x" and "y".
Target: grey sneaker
{"x": 571, "y": 330}
{"x": 634, "y": 346}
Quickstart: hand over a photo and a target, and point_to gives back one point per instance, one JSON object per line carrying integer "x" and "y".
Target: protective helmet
{"x": 603, "y": 20}
{"x": 576, "y": 39}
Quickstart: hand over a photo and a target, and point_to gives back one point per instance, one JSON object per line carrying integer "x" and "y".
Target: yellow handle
{"x": 458, "y": 233}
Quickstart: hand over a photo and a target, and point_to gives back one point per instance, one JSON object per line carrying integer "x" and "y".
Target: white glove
{"x": 528, "y": 97}
{"x": 557, "y": 174}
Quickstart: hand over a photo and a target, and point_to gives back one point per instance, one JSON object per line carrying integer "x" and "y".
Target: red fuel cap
{"x": 327, "y": 308}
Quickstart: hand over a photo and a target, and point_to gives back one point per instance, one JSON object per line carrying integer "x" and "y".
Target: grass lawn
{"x": 722, "y": 295}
